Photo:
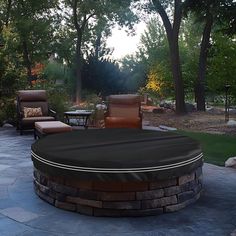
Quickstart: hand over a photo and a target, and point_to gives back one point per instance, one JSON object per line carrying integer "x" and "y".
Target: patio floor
{"x": 23, "y": 213}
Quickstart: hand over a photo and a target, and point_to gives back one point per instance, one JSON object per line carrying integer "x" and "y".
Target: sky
{"x": 124, "y": 44}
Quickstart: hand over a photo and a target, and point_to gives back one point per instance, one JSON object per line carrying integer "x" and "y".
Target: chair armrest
{"x": 141, "y": 114}
{"x": 52, "y": 113}
{"x": 106, "y": 114}
{"x": 20, "y": 115}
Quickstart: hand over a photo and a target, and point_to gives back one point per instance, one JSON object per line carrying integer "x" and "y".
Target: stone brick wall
{"x": 100, "y": 198}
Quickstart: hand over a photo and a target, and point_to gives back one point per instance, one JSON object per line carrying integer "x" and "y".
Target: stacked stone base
{"x": 100, "y": 198}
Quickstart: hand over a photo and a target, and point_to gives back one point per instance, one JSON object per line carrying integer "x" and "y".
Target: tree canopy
{"x": 179, "y": 56}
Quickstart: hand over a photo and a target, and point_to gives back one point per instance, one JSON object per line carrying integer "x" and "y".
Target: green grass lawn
{"x": 216, "y": 148}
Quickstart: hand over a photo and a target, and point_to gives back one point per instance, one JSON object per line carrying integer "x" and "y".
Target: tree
{"x": 153, "y": 46}
{"x": 190, "y": 37}
{"x": 153, "y": 52}
{"x": 222, "y": 64}
{"x": 102, "y": 76}
{"x": 134, "y": 71}
{"x": 31, "y": 21}
{"x": 211, "y": 12}
{"x": 5, "y": 7}
{"x": 86, "y": 15}
{"x": 172, "y": 31}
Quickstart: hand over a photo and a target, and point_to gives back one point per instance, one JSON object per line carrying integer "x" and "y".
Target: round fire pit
{"x": 118, "y": 172}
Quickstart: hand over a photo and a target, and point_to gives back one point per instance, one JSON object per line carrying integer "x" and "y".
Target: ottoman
{"x": 50, "y": 127}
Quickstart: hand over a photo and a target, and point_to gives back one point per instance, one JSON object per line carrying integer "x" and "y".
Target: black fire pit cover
{"x": 117, "y": 154}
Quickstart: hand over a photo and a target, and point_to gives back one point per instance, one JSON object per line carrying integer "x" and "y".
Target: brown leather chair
{"x": 124, "y": 111}
{"x": 32, "y": 99}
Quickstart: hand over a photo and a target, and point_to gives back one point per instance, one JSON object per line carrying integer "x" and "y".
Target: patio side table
{"x": 80, "y": 116}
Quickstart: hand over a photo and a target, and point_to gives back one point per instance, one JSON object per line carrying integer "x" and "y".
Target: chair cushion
{"x": 123, "y": 122}
{"x": 31, "y": 120}
{"x": 120, "y": 110}
{"x": 32, "y": 111}
{"x": 42, "y": 105}
{"x": 47, "y": 127}
{"x": 32, "y": 95}
{"x": 124, "y": 99}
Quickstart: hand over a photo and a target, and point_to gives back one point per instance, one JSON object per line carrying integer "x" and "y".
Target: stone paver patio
{"x": 23, "y": 213}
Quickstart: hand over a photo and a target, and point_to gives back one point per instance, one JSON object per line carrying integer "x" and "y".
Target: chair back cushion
{"x": 124, "y": 105}
{"x": 32, "y": 95}
{"x": 117, "y": 110}
{"x": 33, "y": 99}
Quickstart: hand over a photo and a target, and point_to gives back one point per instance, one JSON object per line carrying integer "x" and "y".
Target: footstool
{"x": 44, "y": 128}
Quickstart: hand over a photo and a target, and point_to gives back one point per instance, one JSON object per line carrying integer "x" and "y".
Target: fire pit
{"x": 118, "y": 172}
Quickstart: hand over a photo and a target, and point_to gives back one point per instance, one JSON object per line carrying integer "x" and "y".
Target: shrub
{"x": 7, "y": 111}
{"x": 58, "y": 101}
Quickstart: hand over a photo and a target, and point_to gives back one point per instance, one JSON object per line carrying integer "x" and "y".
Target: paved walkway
{"x": 23, "y": 213}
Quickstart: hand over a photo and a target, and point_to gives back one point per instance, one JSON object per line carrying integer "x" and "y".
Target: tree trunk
{"x": 78, "y": 92}
{"x": 177, "y": 76}
{"x": 172, "y": 32}
{"x": 78, "y": 59}
{"x": 27, "y": 61}
{"x": 97, "y": 46}
{"x": 202, "y": 65}
{"x": 9, "y": 4}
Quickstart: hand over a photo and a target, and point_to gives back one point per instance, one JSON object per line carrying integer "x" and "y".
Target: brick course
{"x": 100, "y": 198}
{"x": 152, "y": 194}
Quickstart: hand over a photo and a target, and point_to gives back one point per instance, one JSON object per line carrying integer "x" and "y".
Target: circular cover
{"x": 117, "y": 154}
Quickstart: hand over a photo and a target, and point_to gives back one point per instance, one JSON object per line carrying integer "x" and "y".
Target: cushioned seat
{"x": 50, "y": 127}
{"x": 37, "y": 118}
{"x": 124, "y": 111}
{"x": 123, "y": 122}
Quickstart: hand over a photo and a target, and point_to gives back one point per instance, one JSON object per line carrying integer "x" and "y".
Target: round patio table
{"x": 118, "y": 172}
{"x": 80, "y": 116}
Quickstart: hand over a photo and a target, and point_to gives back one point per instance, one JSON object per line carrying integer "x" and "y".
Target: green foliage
{"x": 222, "y": 65}
{"x": 153, "y": 44}
{"x": 190, "y": 37}
{"x": 12, "y": 74}
{"x": 150, "y": 67}
{"x": 214, "y": 15}
{"x": 222, "y": 11}
{"x": 54, "y": 79}
{"x": 90, "y": 99}
{"x": 31, "y": 30}
{"x": 55, "y": 72}
{"x": 26, "y": 29}
{"x": 7, "y": 111}
{"x": 58, "y": 100}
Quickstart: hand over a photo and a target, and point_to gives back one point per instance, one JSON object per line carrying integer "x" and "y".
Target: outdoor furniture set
{"x": 33, "y": 113}
{"x": 122, "y": 170}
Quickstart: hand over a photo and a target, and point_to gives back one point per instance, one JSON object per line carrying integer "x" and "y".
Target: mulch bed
{"x": 194, "y": 121}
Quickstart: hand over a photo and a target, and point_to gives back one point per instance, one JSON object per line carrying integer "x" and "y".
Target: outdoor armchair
{"x": 124, "y": 111}
{"x": 32, "y": 106}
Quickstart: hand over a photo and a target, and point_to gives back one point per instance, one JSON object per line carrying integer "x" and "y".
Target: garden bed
{"x": 208, "y": 122}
